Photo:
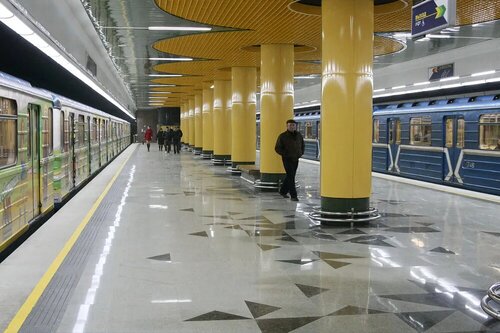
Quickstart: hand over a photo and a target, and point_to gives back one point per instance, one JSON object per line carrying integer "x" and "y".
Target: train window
{"x": 394, "y": 126}
{"x": 376, "y": 130}
{"x": 66, "y": 137}
{"x": 460, "y": 133}
{"x": 420, "y": 131}
{"x": 61, "y": 133}
{"x": 309, "y": 131}
{"x": 47, "y": 134}
{"x": 8, "y": 131}
{"x": 94, "y": 130}
{"x": 449, "y": 132}
{"x": 81, "y": 131}
{"x": 489, "y": 132}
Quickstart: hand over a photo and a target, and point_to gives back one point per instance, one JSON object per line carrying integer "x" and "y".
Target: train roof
{"x": 58, "y": 100}
{"x": 452, "y": 104}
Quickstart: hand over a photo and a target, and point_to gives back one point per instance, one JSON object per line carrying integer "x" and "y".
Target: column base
{"x": 344, "y": 210}
{"x": 197, "y": 150}
{"x": 207, "y": 154}
{"x": 235, "y": 164}
{"x": 221, "y": 159}
{"x": 270, "y": 181}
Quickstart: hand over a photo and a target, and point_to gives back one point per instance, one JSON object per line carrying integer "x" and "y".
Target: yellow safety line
{"x": 29, "y": 304}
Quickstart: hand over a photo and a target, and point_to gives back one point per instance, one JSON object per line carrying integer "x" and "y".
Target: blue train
{"x": 452, "y": 142}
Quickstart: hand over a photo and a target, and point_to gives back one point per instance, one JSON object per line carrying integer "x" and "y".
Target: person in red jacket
{"x": 148, "y": 136}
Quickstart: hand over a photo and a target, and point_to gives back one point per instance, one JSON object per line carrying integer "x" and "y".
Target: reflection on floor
{"x": 198, "y": 250}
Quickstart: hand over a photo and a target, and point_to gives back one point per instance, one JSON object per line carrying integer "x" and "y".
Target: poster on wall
{"x": 440, "y": 72}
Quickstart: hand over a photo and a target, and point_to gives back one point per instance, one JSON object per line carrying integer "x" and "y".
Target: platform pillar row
{"x": 346, "y": 113}
{"x": 222, "y": 121}
{"x": 277, "y": 94}
{"x": 244, "y": 101}
{"x": 198, "y": 122}
{"x": 208, "y": 123}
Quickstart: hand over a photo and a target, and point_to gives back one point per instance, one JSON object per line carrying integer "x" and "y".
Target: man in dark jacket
{"x": 290, "y": 145}
{"x": 176, "y": 137}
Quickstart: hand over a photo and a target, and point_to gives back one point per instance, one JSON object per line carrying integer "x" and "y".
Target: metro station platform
{"x": 170, "y": 243}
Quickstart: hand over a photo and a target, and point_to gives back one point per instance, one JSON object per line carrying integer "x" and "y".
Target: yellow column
{"x": 222, "y": 124}
{"x": 276, "y": 81}
{"x": 198, "y": 122}
{"x": 244, "y": 85}
{"x": 208, "y": 123}
{"x": 192, "y": 129}
{"x": 185, "y": 129}
{"x": 346, "y": 110}
{"x": 181, "y": 120}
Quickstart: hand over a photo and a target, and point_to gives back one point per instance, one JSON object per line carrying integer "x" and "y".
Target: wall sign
{"x": 440, "y": 72}
{"x": 432, "y": 15}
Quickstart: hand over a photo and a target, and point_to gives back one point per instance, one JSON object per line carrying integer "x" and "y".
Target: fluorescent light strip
{"x": 158, "y": 28}
{"x": 170, "y": 59}
{"x": 18, "y": 26}
{"x": 165, "y": 75}
{"x": 398, "y": 87}
{"x": 483, "y": 73}
{"x": 421, "y": 83}
{"x": 449, "y": 78}
{"x": 161, "y": 85}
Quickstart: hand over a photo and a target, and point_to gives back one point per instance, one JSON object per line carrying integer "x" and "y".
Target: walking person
{"x": 290, "y": 145}
{"x": 176, "y": 138}
{"x": 159, "y": 138}
{"x": 168, "y": 140}
{"x": 148, "y": 135}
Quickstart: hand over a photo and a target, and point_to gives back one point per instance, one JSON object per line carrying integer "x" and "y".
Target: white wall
{"x": 68, "y": 23}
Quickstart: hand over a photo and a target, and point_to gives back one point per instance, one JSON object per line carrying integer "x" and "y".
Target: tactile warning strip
{"x": 49, "y": 310}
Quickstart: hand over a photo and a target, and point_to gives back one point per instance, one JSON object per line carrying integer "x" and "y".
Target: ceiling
{"x": 240, "y": 26}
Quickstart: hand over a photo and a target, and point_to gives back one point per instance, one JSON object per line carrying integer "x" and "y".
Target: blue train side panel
{"x": 456, "y": 153}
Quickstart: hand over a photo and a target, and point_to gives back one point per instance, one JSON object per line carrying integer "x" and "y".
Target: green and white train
{"x": 49, "y": 146}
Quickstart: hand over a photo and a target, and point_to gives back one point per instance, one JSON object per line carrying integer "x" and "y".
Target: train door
{"x": 72, "y": 157}
{"x": 393, "y": 142}
{"x": 454, "y": 140}
{"x": 34, "y": 151}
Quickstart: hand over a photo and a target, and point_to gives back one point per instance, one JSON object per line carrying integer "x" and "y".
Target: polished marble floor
{"x": 183, "y": 246}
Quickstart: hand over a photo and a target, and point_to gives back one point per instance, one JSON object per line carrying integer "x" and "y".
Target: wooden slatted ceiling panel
{"x": 270, "y": 21}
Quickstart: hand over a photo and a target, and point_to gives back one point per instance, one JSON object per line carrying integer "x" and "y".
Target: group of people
{"x": 165, "y": 138}
{"x": 290, "y": 145}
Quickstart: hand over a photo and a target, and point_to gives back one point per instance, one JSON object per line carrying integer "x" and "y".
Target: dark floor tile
{"x": 377, "y": 240}
{"x": 410, "y": 230}
{"x": 331, "y": 255}
{"x": 201, "y": 233}
{"x": 235, "y": 227}
{"x": 287, "y": 238}
{"x": 161, "y": 257}
{"x": 354, "y": 310}
{"x": 189, "y": 194}
{"x": 336, "y": 264}
{"x": 187, "y": 210}
{"x": 283, "y": 325}
{"x": 268, "y": 247}
{"x": 221, "y": 217}
{"x": 492, "y": 233}
{"x": 299, "y": 261}
{"x": 216, "y": 315}
{"x": 442, "y": 250}
{"x": 310, "y": 291}
{"x": 258, "y": 310}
